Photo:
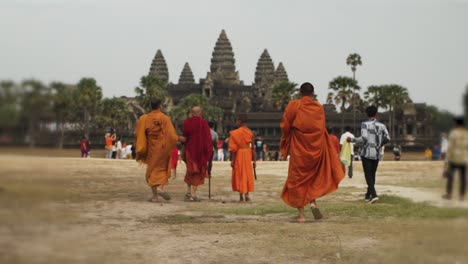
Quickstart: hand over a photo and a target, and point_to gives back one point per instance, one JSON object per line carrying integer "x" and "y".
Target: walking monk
{"x": 197, "y": 152}
{"x": 155, "y": 140}
{"x": 242, "y": 159}
{"x": 314, "y": 167}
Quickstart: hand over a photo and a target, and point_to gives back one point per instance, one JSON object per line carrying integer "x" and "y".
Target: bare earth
{"x": 71, "y": 210}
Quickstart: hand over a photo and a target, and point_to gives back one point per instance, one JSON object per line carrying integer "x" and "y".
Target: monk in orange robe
{"x": 314, "y": 168}
{"x": 242, "y": 159}
{"x": 155, "y": 140}
{"x": 198, "y": 150}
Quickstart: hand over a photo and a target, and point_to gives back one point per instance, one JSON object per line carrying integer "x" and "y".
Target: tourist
{"x": 84, "y": 147}
{"x": 214, "y": 146}
{"x": 259, "y": 147}
{"x": 428, "y": 153}
{"x": 314, "y": 168}
{"x": 457, "y": 157}
{"x": 436, "y": 152}
{"x": 118, "y": 147}
{"x": 156, "y": 138}
{"x": 374, "y": 136}
{"x": 198, "y": 151}
{"x": 225, "y": 149}
{"x": 396, "y": 152}
{"x": 443, "y": 146}
{"x": 242, "y": 159}
{"x": 220, "y": 150}
{"x": 109, "y": 142}
{"x": 343, "y": 140}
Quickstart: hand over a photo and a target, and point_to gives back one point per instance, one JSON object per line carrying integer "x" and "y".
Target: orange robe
{"x": 198, "y": 150}
{"x": 240, "y": 141}
{"x": 155, "y": 140}
{"x": 314, "y": 168}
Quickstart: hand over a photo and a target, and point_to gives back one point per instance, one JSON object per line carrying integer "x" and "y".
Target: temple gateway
{"x": 224, "y": 88}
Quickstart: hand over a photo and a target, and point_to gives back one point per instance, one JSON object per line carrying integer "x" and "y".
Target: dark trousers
{"x": 370, "y": 168}
{"x": 451, "y": 171}
{"x": 350, "y": 168}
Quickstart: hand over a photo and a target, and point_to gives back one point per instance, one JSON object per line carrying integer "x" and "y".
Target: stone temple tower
{"x": 280, "y": 74}
{"x": 223, "y": 68}
{"x": 264, "y": 78}
{"x": 186, "y": 77}
{"x": 158, "y": 67}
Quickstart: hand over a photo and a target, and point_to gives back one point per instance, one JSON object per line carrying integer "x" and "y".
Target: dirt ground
{"x": 72, "y": 210}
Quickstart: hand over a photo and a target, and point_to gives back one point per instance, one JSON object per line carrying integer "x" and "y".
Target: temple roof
{"x": 223, "y": 56}
{"x": 265, "y": 68}
{"x": 159, "y": 67}
{"x": 281, "y": 74}
{"x": 186, "y": 76}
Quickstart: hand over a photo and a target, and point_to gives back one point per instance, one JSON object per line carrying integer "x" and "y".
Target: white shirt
{"x": 443, "y": 145}
{"x": 343, "y": 139}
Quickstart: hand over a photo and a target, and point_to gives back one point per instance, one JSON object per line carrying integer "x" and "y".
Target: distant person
{"x": 343, "y": 140}
{"x": 133, "y": 151}
{"x": 214, "y": 146}
{"x": 155, "y": 140}
{"x": 198, "y": 152}
{"x": 259, "y": 147}
{"x": 225, "y": 149}
{"x": 242, "y": 159}
{"x": 109, "y": 143}
{"x": 220, "y": 150}
{"x": 443, "y": 146}
{"x": 84, "y": 147}
{"x": 374, "y": 135}
{"x": 396, "y": 152}
{"x": 457, "y": 157}
{"x": 118, "y": 147}
{"x": 428, "y": 153}
{"x": 436, "y": 152}
{"x": 314, "y": 167}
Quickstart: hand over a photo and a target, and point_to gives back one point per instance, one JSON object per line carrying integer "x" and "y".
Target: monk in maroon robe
{"x": 197, "y": 152}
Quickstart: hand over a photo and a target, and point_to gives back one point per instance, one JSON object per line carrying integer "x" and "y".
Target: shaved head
{"x": 196, "y": 111}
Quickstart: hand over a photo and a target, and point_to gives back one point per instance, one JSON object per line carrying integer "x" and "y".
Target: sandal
{"x": 164, "y": 195}
{"x": 191, "y": 199}
{"x": 316, "y": 213}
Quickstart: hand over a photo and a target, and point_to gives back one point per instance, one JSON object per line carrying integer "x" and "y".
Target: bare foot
{"x": 154, "y": 200}
{"x": 301, "y": 220}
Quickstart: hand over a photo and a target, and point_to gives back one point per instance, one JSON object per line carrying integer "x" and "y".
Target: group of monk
{"x": 315, "y": 169}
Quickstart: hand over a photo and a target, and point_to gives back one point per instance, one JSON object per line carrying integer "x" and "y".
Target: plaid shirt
{"x": 373, "y": 136}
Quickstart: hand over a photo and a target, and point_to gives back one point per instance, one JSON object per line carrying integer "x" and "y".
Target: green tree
{"x": 88, "y": 99}
{"x": 63, "y": 105}
{"x": 151, "y": 88}
{"x": 114, "y": 114}
{"x": 354, "y": 60}
{"x": 396, "y": 97}
{"x": 282, "y": 93}
{"x": 342, "y": 91}
{"x": 36, "y": 106}
{"x": 184, "y": 108}
{"x": 9, "y": 105}
{"x": 375, "y": 96}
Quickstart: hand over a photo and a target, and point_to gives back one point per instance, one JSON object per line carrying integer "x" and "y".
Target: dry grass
{"x": 62, "y": 210}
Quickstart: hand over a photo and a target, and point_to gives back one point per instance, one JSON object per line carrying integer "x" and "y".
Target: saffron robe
{"x": 314, "y": 166}
{"x": 155, "y": 140}
{"x": 198, "y": 149}
{"x": 240, "y": 142}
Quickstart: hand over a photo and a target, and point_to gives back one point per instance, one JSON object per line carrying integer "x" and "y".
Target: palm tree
{"x": 354, "y": 60}
{"x": 114, "y": 113}
{"x": 151, "y": 88}
{"x": 342, "y": 91}
{"x": 282, "y": 93}
{"x": 375, "y": 96}
{"x": 63, "y": 106}
{"x": 397, "y": 96}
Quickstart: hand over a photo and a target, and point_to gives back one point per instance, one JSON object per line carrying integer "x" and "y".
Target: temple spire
{"x": 159, "y": 67}
{"x": 186, "y": 76}
{"x": 280, "y": 74}
{"x": 222, "y": 61}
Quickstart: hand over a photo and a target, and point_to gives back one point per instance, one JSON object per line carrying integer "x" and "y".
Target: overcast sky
{"x": 422, "y": 45}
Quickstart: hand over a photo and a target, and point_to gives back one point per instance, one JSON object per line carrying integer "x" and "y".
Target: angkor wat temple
{"x": 225, "y": 89}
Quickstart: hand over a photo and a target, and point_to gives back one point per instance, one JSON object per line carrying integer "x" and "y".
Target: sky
{"x": 419, "y": 44}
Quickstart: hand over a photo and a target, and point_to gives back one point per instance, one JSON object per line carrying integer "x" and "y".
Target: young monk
{"x": 314, "y": 166}
{"x": 242, "y": 159}
{"x": 155, "y": 140}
